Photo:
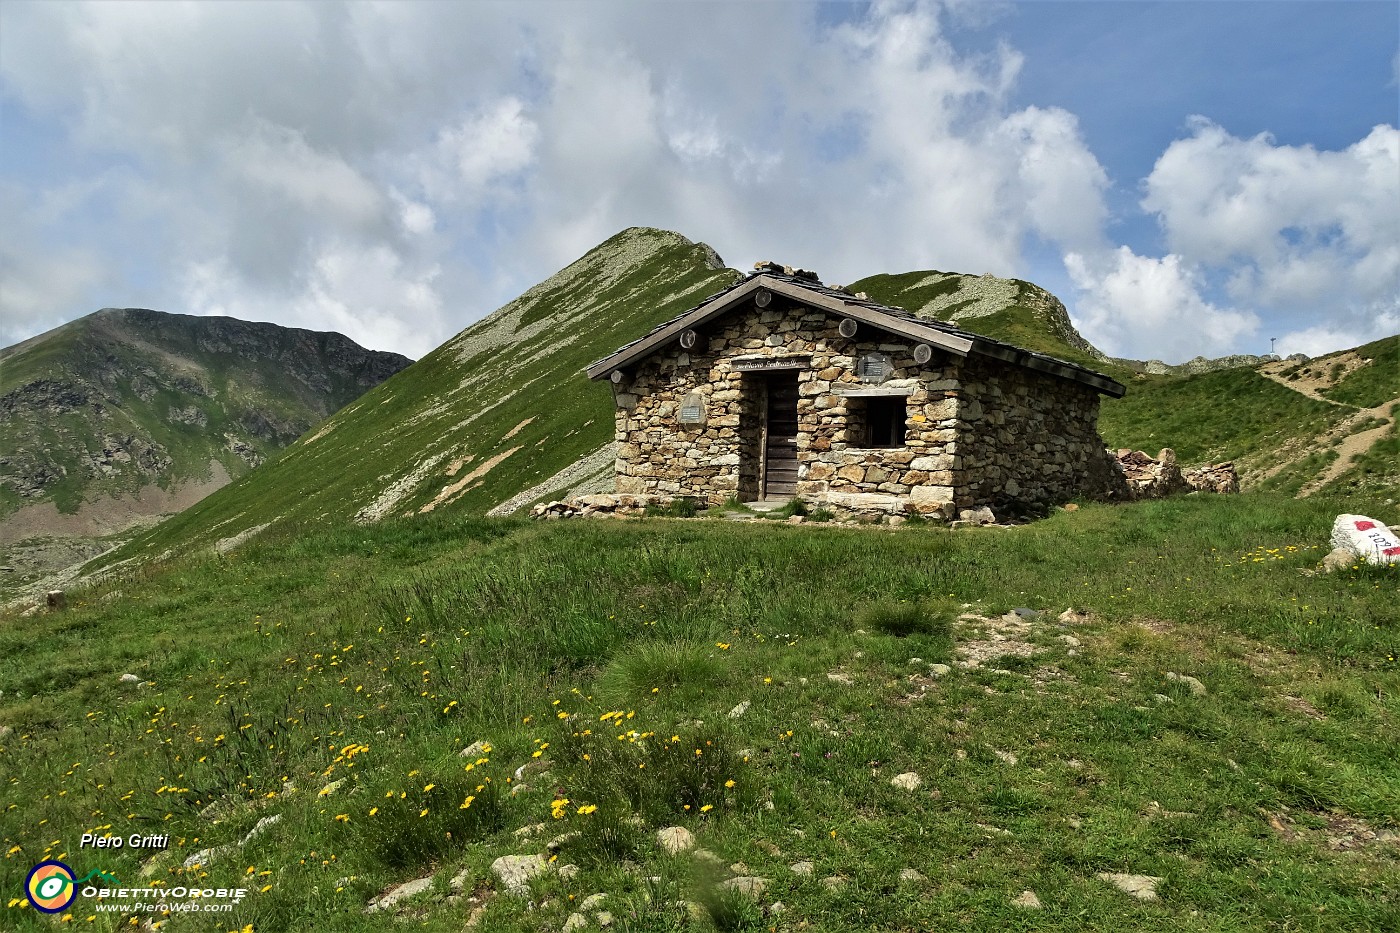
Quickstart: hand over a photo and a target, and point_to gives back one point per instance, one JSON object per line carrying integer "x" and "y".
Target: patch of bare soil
{"x": 1338, "y": 832}
{"x": 1300, "y": 705}
{"x": 994, "y": 638}
{"x": 1315, "y": 376}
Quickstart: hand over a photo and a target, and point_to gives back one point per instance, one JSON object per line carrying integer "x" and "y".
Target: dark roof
{"x": 802, "y": 285}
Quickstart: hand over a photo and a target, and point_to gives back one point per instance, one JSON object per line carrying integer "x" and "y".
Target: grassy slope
{"x": 405, "y": 639}
{"x": 1227, "y": 415}
{"x": 1017, "y": 324}
{"x": 463, "y": 399}
{"x": 110, "y": 352}
{"x": 1373, "y": 384}
{"x": 1233, "y": 414}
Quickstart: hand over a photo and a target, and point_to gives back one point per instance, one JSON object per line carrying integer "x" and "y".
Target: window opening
{"x": 876, "y": 422}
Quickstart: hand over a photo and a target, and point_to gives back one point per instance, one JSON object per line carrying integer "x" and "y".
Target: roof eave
{"x": 951, "y": 343}
{"x": 958, "y": 346}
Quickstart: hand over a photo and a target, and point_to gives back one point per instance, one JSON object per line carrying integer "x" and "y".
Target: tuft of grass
{"x": 904, "y": 618}
{"x": 683, "y": 507}
{"x": 653, "y": 666}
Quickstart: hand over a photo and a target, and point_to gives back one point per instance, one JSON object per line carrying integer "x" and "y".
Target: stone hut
{"x": 780, "y": 386}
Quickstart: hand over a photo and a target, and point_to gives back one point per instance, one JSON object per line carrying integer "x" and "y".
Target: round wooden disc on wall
{"x": 848, "y": 327}
{"x": 689, "y": 338}
{"x": 763, "y": 297}
{"x": 923, "y": 353}
{"x": 617, "y": 377}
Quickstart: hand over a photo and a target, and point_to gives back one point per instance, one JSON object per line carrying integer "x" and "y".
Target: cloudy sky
{"x": 1191, "y": 178}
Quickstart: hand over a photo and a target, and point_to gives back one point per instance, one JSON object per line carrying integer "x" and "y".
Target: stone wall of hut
{"x": 977, "y": 431}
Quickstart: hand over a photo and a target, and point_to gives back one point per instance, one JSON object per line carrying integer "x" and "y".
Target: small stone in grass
{"x": 515, "y": 871}
{"x": 803, "y": 868}
{"x": 909, "y": 780}
{"x": 1026, "y": 899}
{"x": 1142, "y": 887}
{"x": 402, "y": 892}
{"x": 1197, "y": 688}
{"x": 747, "y": 885}
{"x": 911, "y": 876}
{"x": 674, "y": 839}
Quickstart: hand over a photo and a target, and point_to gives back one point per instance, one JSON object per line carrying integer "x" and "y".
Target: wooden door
{"x": 780, "y": 437}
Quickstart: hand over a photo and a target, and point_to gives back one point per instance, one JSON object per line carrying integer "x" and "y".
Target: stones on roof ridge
{"x": 768, "y": 267}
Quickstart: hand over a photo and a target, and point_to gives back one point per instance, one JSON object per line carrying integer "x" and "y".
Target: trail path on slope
{"x": 1310, "y": 383}
{"x": 1353, "y": 445}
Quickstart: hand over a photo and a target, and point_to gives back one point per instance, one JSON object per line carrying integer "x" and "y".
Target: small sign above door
{"x": 749, "y": 364}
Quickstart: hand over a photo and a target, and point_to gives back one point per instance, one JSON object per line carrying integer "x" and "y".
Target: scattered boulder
{"x": 1142, "y": 887}
{"x": 393, "y": 896}
{"x": 747, "y": 885}
{"x": 909, "y": 781}
{"x": 475, "y": 750}
{"x": 803, "y": 868}
{"x": 459, "y": 881}
{"x": 575, "y": 921}
{"x": 739, "y": 710}
{"x": 129, "y": 679}
{"x": 56, "y": 600}
{"x": 1339, "y": 558}
{"x": 939, "y": 670}
{"x": 834, "y": 882}
{"x": 1366, "y": 538}
{"x": 1027, "y": 900}
{"x": 912, "y": 876}
{"x": 1197, "y": 688}
{"x": 515, "y": 871}
{"x": 675, "y": 839}
{"x": 840, "y": 677}
{"x": 978, "y": 516}
{"x": 260, "y": 827}
{"x": 204, "y": 856}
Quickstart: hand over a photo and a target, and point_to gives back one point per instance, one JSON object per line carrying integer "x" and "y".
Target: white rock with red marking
{"x": 1367, "y": 538}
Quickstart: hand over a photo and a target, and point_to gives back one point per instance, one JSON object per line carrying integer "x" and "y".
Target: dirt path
{"x": 1353, "y": 445}
{"x": 1311, "y": 378}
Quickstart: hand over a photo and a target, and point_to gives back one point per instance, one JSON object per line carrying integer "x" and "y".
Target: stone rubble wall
{"x": 602, "y": 504}
{"x": 1158, "y": 477}
{"x": 1029, "y": 439}
{"x": 1217, "y": 477}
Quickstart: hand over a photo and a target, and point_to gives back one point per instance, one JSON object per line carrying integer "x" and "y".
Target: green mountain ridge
{"x": 122, "y": 414}
{"x": 502, "y": 406}
{"x": 501, "y": 416}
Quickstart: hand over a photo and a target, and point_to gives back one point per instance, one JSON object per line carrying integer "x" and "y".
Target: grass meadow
{"x": 758, "y": 684}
